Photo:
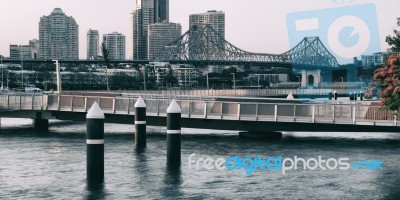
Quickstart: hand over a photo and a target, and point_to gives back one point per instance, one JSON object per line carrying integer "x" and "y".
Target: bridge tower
{"x": 311, "y": 78}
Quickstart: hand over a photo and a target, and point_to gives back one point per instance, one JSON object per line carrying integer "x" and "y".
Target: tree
{"x": 394, "y": 41}
{"x": 105, "y": 52}
{"x": 372, "y": 91}
{"x": 170, "y": 79}
{"x": 227, "y": 72}
{"x": 387, "y": 76}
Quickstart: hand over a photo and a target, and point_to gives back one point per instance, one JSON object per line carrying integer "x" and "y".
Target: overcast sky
{"x": 253, "y": 25}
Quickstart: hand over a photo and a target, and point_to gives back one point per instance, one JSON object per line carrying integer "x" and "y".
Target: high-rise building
{"x": 216, "y": 19}
{"x": 115, "y": 43}
{"x": 147, "y": 12}
{"x": 160, "y": 35}
{"x": 58, "y": 36}
{"x": 92, "y": 44}
{"x": 161, "y": 10}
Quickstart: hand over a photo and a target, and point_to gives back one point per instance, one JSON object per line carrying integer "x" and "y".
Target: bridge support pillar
{"x": 140, "y": 123}
{"x": 261, "y": 135}
{"x": 174, "y": 134}
{"x": 310, "y": 78}
{"x": 40, "y": 124}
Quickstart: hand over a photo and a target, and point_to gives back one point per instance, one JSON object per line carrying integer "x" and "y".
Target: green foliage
{"x": 227, "y": 72}
{"x": 394, "y": 41}
{"x": 387, "y": 77}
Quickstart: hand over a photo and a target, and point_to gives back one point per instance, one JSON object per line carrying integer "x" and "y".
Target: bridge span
{"x": 209, "y": 113}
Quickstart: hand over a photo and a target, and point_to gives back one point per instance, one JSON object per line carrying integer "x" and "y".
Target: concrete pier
{"x": 40, "y": 124}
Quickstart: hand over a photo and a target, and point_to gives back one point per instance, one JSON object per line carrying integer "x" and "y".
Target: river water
{"x": 53, "y": 165}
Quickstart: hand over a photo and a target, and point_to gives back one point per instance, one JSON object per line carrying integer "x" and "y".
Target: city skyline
{"x": 254, "y": 21}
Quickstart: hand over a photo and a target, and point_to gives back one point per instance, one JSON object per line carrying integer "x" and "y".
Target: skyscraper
{"x": 216, "y": 19}
{"x": 147, "y": 12}
{"x": 161, "y": 10}
{"x": 92, "y": 44}
{"x": 115, "y": 43}
{"x": 58, "y": 36}
{"x": 160, "y": 35}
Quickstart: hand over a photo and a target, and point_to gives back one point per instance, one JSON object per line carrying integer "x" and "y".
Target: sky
{"x": 252, "y": 25}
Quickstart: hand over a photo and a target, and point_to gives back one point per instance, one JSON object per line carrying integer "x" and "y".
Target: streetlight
{"x": 58, "y": 76}
{"x": 234, "y": 84}
{"x": 144, "y": 78}
{"x": 258, "y": 81}
{"x": 207, "y": 81}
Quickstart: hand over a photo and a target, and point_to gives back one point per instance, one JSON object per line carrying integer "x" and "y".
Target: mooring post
{"x": 95, "y": 143}
{"x": 335, "y": 95}
{"x": 174, "y": 134}
{"x": 140, "y": 123}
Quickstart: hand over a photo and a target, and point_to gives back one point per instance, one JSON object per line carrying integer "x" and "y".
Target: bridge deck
{"x": 250, "y": 116}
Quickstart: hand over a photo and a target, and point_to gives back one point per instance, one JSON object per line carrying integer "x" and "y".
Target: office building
{"x": 115, "y": 43}
{"x": 372, "y": 60}
{"x": 58, "y": 36}
{"x": 378, "y": 58}
{"x": 20, "y": 52}
{"x": 147, "y": 12}
{"x": 92, "y": 44}
{"x": 216, "y": 19}
{"x": 187, "y": 75}
{"x": 26, "y": 52}
{"x": 160, "y": 35}
{"x": 161, "y": 11}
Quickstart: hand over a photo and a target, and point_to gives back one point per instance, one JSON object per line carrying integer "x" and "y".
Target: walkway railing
{"x": 349, "y": 113}
{"x": 271, "y": 92}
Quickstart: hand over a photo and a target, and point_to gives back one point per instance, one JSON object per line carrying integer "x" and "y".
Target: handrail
{"x": 351, "y": 113}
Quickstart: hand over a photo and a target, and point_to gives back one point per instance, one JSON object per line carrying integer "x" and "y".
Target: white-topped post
{"x": 140, "y": 123}
{"x": 95, "y": 143}
{"x": 335, "y": 95}
{"x": 174, "y": 134}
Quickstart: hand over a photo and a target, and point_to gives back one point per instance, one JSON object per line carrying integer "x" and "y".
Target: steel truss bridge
{"x": 204, "y": 46}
